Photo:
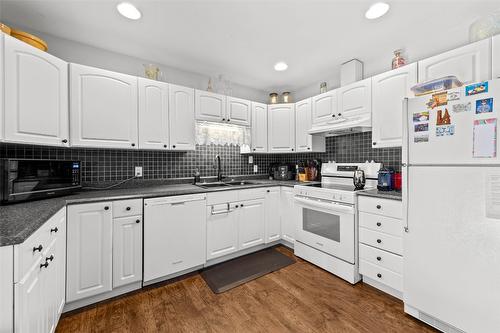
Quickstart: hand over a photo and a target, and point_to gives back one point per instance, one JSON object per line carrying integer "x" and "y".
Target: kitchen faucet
{"x": 219, "y": 171}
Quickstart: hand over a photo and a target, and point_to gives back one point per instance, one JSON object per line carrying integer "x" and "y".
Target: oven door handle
{"x": 329, "y": 206}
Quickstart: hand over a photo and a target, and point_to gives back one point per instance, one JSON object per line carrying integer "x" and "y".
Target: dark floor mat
{"x": 233, "y": 273}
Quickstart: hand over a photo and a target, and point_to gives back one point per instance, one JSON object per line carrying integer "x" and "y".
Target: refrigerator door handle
{"x": 404, "y": 164}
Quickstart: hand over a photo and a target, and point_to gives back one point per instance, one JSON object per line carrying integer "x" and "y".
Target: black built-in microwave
{"x": 26, "y": 179}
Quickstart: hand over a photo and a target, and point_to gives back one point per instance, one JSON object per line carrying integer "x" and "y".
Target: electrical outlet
{"x": 138, "y": 171}
{"x": 250, "y": 159}
{"x": 255, "y": 168}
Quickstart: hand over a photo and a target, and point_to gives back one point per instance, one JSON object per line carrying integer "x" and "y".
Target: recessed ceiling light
{"x": 128, "y": 10}
{"x": 377, "y": 10}
{"x": 280, "y": 66}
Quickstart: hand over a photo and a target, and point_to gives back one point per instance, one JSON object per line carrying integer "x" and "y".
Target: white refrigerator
{"x": 451, "y": 200}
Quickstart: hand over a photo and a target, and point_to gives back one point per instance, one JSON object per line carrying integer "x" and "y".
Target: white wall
{"x": 76, "y": 52}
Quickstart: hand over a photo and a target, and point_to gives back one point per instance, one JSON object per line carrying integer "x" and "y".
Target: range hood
{"x": 344, "y": 125}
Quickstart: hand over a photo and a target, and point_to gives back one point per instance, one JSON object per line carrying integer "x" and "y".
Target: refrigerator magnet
{"x": 445, "y": 130}
{"x": 484, "y": 105}
{"x": 443, "y": 119}
{"x": 423, "y": 127}
{"x": 476, "y": 88}
{"x": 438, "y": 99}
{"x": 454, "y": 95}
{"x": 485, "y": 138}
{"x": 421, "y": 138}
{"x": 462, "y": 107}
{"x": 420, "y": 116}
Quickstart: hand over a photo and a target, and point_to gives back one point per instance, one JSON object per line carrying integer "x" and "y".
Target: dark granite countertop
{"x": 21, "y": 220}
{"x": 395, "y": 195}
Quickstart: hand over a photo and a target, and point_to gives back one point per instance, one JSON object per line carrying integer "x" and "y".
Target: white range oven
{"x": 327, "y": 230}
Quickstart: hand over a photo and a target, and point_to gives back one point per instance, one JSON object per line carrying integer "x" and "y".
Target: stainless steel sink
{"x": 239, "y": 182}
{"x": 211, "y": 185}
{"x": 225, "y": 184}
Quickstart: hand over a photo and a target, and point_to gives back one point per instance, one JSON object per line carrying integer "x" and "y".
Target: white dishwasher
{"x": 174, "y": 235}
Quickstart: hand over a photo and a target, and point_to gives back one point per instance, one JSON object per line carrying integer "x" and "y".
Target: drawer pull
{"x": 106, "y": 207}
{"x": 378, "y": 206}
{"x": 320, "y": 244}
{"x": 241, "y": 205}
{"x": 379, "y": 258}
{"x": 128, "y": 208}
{"x": 38, "y": 248}
{"x": 379, "y": 224}
{"x": 137, "y": 221}
{"x": 379, "y": 241}
{"x": 379, "y": 275}
{"x": 51, "y": 258}
{"x": 236, "y": 206}
{"x": 44, "y": 265}
{"x": 54, "y": 230}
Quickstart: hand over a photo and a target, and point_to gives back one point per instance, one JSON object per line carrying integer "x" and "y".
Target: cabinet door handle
{"x": 333, "y": 115}
{"x": 44, "y": 265}
{"x": 268, "y": 191}
{"x": 292, "y": 149}
{"x": 173, "y": 146}
{"x": 379, "y": 224}
{"x": 38, "y": 248}
{"x": 340, "y": 115}
{"x": 374, "y": 143}
{"x": 223, "y": 119}
{"x": 137, "y": 221}
{"x": 379, "y": 241}
{"x": 50, "y": 258}
{"x": 164, "y": 146}
{"x": 64, "y": 140}
{"x": 379, "y": 258}
{"x": 379, "y": 275}
{"x": 241, "y": 205}
{"x": 106, "y": 207}
{"x": 236, "y": 206}
{"x": 128, "y": 208}
{"x": 54, "y": 230}
{"x": 378, "y": 206}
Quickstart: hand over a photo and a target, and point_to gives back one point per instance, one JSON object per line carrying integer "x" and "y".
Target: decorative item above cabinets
{"x": 214, "y": 107}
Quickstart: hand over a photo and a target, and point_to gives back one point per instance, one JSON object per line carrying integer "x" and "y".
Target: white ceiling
{"x": 243, "y": 39}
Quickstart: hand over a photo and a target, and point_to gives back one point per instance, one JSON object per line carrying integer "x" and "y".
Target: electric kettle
{"x": 359, "y": 179}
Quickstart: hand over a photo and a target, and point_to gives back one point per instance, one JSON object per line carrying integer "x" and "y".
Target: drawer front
{"x": 387, "y": 207}
{"x": 29, "y": 253}
{"x": 381, "y": 241}
{"x": 380, "y": 274}
{"x": 388, "y": 225}
{"x": 221, "y": 197}
{"x": 381, "y": 258}
{"x": 251, "y": 194}
{"x": 124, "y": 208}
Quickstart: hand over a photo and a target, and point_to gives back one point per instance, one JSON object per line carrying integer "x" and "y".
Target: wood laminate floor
{"x": 298, "y": 298}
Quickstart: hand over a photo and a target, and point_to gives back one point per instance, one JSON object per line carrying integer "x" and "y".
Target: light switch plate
{"x": 138, "y": 171}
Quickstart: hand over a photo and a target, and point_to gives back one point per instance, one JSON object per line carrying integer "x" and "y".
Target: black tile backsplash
{"x": 108, "y": 165}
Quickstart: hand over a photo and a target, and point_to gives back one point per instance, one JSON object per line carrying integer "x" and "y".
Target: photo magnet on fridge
{"x": 422, "y": 127}
{"x": 420, "y": 116}
{"x": 443, "y": 119}
{"x": 445, "y": 130}
{"x": 484, "y": 105}
{"x": 454, "y": 95}
{"x": 476, "y": 88}
{"x": 438, "y": 99}
{"x": 421, "y": 138}
{"x": 463, "y": 107}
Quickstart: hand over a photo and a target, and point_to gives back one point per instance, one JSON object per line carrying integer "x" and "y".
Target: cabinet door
{"x": 36, "y": 95}
{"x": 50, "y": 288}
{"x": 222, "y": 230}
{"x": 495, "y": 59}
{"x": 388, "y": 91}
{"x": 288, "y": 215}
{"x": 181, "y": 117}
{"x": 153, "y": 114}
{"x": 103, "y": 108}
{"x": 89, "y": 250}
{"x": 355, "y": 100}
{"x": 238, "y": 111}
{"x": 469, "y": 63}
{"x": 259, "y": 127}
{"x": 324, "y": 106}
{"x": 273, "y": 221}
{"x": 29, "y": 306}
{"x": 281, "y": 128}
{"x": 60, "y": 266}
{"x": 210, "y": 106}
{"x": 251, "y": 223}
{"x": 127, "y": 250}
{"x": 175, "y": 229}
{"x": 303, "y": 141}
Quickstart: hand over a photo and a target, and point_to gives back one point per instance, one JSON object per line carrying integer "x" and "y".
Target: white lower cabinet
{"x": 90, "y": 245}
{"x": 175, "y": 235}
{"x": 251, "y": 223}
{"x": 39, "y": 295}
{"x": 222, "y": 230}
{"x": 288, "y": 215}
{"x": 127, "y": 250}
{"x": 273, "y": 221}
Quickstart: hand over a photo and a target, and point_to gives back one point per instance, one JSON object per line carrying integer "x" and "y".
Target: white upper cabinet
{"x": 355, "y": 101}
{"x": 469, "y": 63}
{"x": 103, "y": 108}
{"x": 259, "y": 127}
{"x": 181, "y": 118}
{"x": 303, "y": 122}
{"x": 238, "y": 111}
{"x": 495, "y": 59}
{"x": 36, "y": 95}
{"x": 210, "y": 106}
{"x": 388, "y": 91}
{"x": 324, "y": 106}
{"x": 153, "y": 114}
{"x": 281, "y": 128}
